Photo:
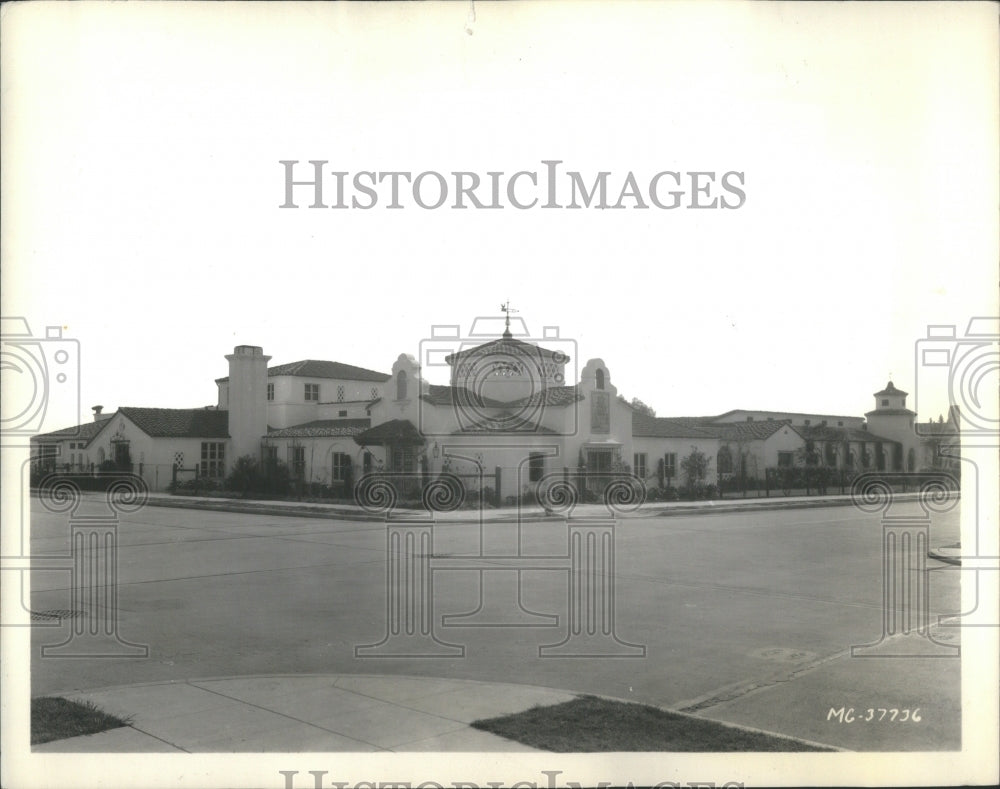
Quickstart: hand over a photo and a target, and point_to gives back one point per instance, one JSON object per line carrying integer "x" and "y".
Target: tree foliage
{"x": 695, "y": 467}
{"x": 638, "y": 405}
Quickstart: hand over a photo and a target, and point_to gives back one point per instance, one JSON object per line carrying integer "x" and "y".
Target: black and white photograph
{"x": 500, "y": 394}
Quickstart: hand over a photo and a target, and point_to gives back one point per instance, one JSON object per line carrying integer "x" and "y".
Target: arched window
{"x": 401, "y": 385}
{"x": 725, "y": 461}
{"x": 600, "y": 378}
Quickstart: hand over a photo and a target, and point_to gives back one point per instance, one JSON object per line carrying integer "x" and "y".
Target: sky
{"x": 142, "y": 184}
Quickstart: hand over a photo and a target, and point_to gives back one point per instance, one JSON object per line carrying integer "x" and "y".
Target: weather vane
{"x": 507, "y": 310}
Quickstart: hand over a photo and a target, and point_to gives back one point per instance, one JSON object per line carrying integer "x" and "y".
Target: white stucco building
{"x": 514, "y": 409}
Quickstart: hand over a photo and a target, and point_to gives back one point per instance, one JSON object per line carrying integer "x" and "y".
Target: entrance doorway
{"x": 123, "y": 458}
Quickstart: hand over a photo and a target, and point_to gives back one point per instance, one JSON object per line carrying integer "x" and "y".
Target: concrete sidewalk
{"x": 321, "y": 713}
{"x": 346, "y": 712}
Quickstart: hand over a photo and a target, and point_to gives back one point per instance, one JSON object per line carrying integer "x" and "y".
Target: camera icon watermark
{"x": 966, "y": 368}
{"x": 41, "y": 380}
{"x": 500, "y": 379}
{"x": 90, "y": 563}
{"x": 906, "y": 580}
{"x": 587, "y": 564}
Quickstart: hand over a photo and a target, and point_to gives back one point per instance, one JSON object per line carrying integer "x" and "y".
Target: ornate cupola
{"x": 508, "y": 368}
{"x": 890, "y": 397}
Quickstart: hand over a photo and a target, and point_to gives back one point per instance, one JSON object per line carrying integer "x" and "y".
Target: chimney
{"x": 97, "y": 412}
{"x": 247, "y": 401}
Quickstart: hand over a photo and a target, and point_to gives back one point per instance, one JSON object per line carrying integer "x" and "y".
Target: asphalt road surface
{"x": 746, "y": 617}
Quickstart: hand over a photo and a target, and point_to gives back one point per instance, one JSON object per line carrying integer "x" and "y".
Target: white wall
{"x": 290, "y": 408}
{"x": 656, "y": 448}
{"x": 156, "y": 456}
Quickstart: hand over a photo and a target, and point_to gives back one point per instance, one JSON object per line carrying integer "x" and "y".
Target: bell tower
{"x": 893, "y": 420}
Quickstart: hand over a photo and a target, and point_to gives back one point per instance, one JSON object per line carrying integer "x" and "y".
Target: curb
{"x": 941, "y": 557}
{"x": 333, "y": 513}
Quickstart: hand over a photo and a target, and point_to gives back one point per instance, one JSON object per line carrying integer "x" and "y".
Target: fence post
{"x": 497, "y": 479}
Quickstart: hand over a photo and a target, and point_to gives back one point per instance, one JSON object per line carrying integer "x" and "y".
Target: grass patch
{"x": 589, "y": 724}
{"x": 53, "y": 718}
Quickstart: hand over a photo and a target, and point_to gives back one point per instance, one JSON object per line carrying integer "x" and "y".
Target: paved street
{"x": 745, "y": 617}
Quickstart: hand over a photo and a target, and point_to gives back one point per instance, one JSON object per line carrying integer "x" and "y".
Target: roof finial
{"x": 507, "y": 309}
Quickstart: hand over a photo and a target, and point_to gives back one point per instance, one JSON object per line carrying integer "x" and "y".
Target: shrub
{"x": 249, "y": 477}
{"x": 197, "y": 485}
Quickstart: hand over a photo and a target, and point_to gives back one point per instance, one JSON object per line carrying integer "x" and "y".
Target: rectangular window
{"x": 342, "y": 413}
{"x": 885, "y": 401}
{"x": 298, "y": 462}
{"x": 213, "y": 459}
{"x": 340, "y": 394}
{"x": 599, "y": 460}
{"x": 271, "y": 456}
{"x": 639, "y": 464}
{"x": 403, "y": 459}
{"x": 270, "y": 392}
{"x": 374, "y": 393}
{"x": 536, "y": 466}
{"x": 341, "y": 466}
{"x": 784, "y": 459}
{"x": 312, "y": 392}
{"x": 670, "y": 464}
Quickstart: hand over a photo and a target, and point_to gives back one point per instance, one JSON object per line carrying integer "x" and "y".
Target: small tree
{"x": 638, "y": 406}
{"x": 245, "y": 476}
{"x": 695, "y": 468}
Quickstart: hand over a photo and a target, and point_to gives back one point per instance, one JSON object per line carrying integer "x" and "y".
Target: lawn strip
{"x": 589, "y": 724}
{"x": 54, "y": 718}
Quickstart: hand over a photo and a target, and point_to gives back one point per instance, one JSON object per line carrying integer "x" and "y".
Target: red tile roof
{"x": 510, "y": 427}
{"x": 322, "y": 428}
{"x": 319, "y": 368}
{"x": 83, "y": 432}
{"x": 553, "y": 395}
{"x": 744, "y": 431}
{"x": 456, "y": 395}
{"x": 511, "y": 346}
{"x": 662, "y": 427}
{"x": 178, "y": 422}
{"x": 890, "y": 389}
{"x": 825, "y": 433}
{"x": 154, "y": 422}
{"x": 393, "y": 431}
{"x": 704, "y": 427}
{"x": 772, "y": 414}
